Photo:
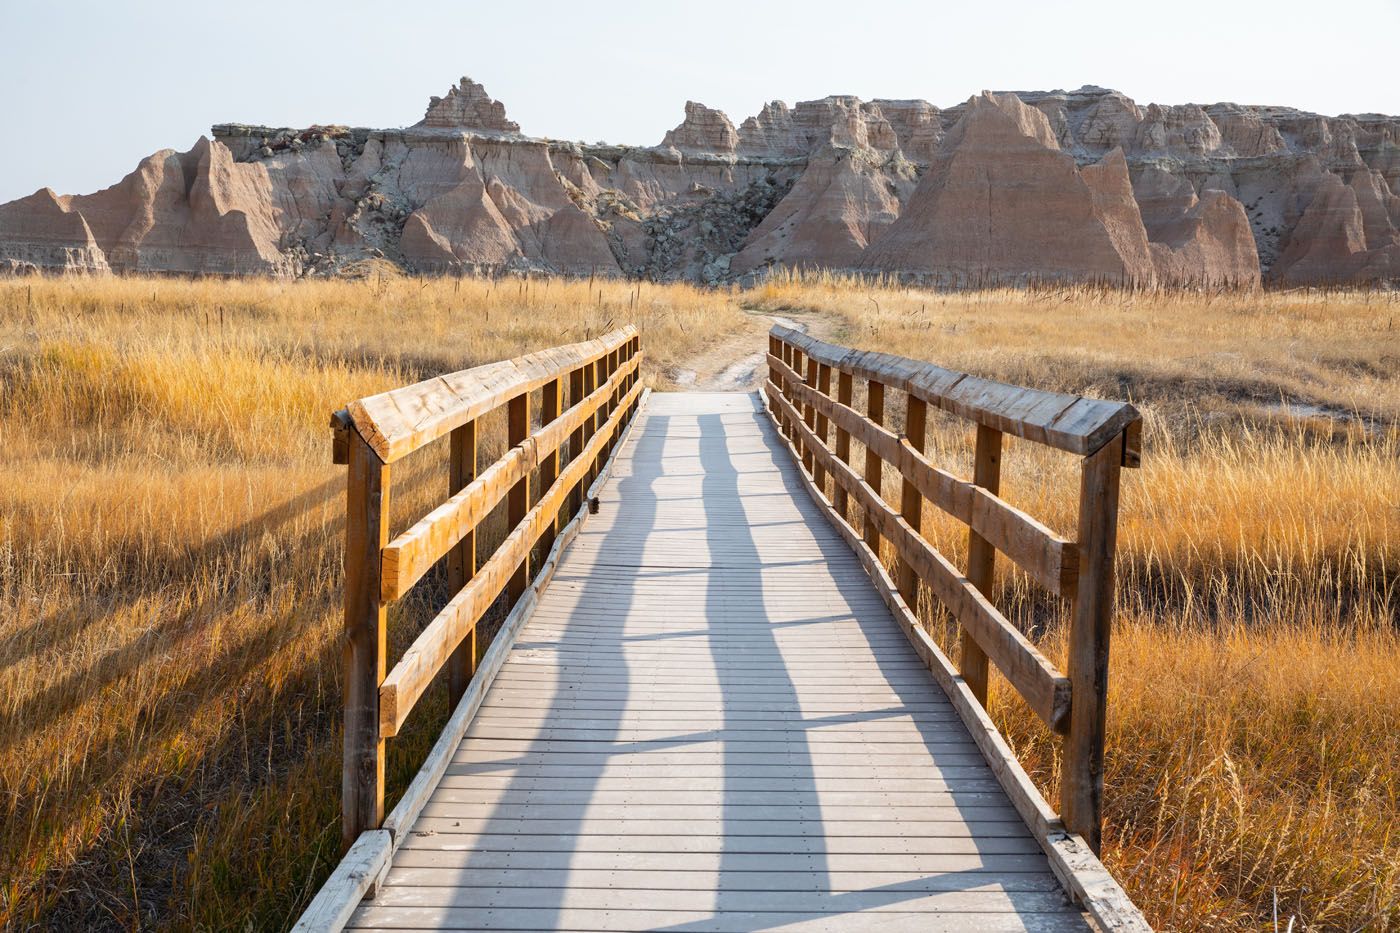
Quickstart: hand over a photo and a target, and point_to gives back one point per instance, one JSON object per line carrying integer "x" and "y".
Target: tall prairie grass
{"x": 170, "y": 550}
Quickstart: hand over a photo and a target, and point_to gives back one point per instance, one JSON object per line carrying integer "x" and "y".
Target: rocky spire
{"x": 468, "y": 106}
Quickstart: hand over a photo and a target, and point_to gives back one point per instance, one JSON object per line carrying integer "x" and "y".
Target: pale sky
{"x": 89, "y": 88}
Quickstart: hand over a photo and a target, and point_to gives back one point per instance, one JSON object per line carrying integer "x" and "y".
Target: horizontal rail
{"x": 1044, "y": 688}
{"x": 1049, "y": 558}
{"x": 398, "y": 422}
{"x": 410, "y": 678}
{"x": 1068, "y": 422}
{"x": 410, "y": 555}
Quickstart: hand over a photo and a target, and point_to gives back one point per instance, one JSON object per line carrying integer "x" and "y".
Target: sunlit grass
{"x": 169, "y": 570}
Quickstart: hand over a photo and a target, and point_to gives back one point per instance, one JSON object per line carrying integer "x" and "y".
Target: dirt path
{"x": 736, "y": 364}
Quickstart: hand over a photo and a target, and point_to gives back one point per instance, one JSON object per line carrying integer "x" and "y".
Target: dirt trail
{"x": 737, "y": 363}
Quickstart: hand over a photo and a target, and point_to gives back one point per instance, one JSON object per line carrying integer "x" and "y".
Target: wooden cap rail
{"x": 1106, "y": 433}
{"x": 1068, "y": 422}
{"x": 398, "y": 422}
{"x": 603, "y": 387}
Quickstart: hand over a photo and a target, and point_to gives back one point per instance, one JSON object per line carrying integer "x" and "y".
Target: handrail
{"x": 1107, "y": 434}
{"x": 604, "y": 386}
{"x": 398, "y": 422}
{"x": 1069, "y": 422}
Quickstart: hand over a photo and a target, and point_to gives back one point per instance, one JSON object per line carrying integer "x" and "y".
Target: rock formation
{"x": 1010, "y": 187}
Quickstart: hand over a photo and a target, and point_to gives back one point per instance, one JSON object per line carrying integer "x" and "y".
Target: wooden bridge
{"x": 710, "y": 705}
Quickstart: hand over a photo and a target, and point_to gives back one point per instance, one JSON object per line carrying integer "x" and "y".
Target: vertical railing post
{"x": 590, "y": 424}
{"x": 551, "y": 405}
{"x": 809, "y": 417}
{"x": 366, "y": 534}
{"x": 845, "y": 389}
{"x": 874, "y": 470}
{"x": 911, "y": 501}
{"x": 796, "y": 365}
{"x": 576, "y": 394}
{"x": 518, "y": 499}
{"x": 1081, "y": 794}
{"x": 823, "y": 425}
{"x": 981, "y": 558}
{"x": 461, "y": 560}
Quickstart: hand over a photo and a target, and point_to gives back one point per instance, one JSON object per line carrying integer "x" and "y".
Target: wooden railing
{"x": 1106, "y": 434}
{"x": 565, "y": 452}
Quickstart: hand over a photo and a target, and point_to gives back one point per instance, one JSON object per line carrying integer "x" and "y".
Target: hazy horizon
{"x": 103, "y": 87}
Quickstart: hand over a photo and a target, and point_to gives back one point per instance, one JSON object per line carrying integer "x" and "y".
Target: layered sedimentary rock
{"x": 1009, "y": 187}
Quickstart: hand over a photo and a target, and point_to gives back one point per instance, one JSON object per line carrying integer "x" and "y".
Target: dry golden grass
{"x": 169, "y": 563}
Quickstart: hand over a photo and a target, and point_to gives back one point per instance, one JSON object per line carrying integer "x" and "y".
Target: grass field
{"x": 169, "y": 541}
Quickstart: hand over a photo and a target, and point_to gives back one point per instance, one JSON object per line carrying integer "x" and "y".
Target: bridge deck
{"x": 712, "y": 722}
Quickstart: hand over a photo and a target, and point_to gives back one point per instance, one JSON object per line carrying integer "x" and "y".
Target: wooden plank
{"x": 927, "y": 896}
{"x": 1067, "y": 422}
{"x": 981, "y": 557}
{"x": 1049, "y": 558}
{"x": 397, "y": 422}
{"x": 1022, "y": 865}
{"x": 359, "y": 872}
{"x": 366, "y": 531}
{"x": 400, "y": 690}
{"x": 1044, "y": 688}
{"x": 1081, "y": 779}
{"x": 706, "y": 921}
{"x": 461, "y": 557}
{"x": 1073, "y": 862}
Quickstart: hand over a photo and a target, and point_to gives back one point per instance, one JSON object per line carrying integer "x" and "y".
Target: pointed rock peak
{"x": 468, "y": 106}
{"x": 704, "y": 129}
{"x": 1008, "y": 108}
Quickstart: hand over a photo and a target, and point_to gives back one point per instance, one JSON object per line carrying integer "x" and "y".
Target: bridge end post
{"x": 1081, "y": 785}
{"x": 366, "y": 534}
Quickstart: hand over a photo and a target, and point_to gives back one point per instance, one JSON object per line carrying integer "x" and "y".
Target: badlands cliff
{"x": 1009, "y": 187}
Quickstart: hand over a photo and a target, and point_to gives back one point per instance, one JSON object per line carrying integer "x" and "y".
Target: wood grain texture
{"x": 1068, "y": 422}
{"x": 1081, "y": 780}
{"x": 366, "y": 530}
{"x": 1049, "y": 558}
{"x": 1044, "y": 688}
{"x": 398, "y": 422}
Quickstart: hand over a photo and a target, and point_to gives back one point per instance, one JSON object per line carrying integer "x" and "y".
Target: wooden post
{"x": 551, "y": 399}
{"x": 366, "y": 534}
{"x": 600, "y": 417}
{"x": 911, "y": 501}
{"x": 590, "y": 424}
{"x": 845, "y": 388}
{"x": 981, "y": 558}
{"x": 1081, "y": 783}
{"x": 576, "y": 394}
{"x": 518, "y": 499}
{"x": 875, "y": 411}
{"x": 796, "y": 365}
{"x": 809, "y": 417}
{"x": 461, "y": 560}
{"x": 824, "y": 387}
